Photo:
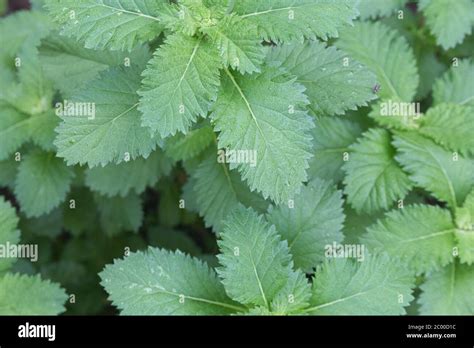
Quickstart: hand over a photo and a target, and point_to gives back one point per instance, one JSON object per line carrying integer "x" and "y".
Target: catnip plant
{"x": 215, "y": 157}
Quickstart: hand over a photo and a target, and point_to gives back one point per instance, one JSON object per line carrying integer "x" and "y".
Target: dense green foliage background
{"x": 173, "y": 82}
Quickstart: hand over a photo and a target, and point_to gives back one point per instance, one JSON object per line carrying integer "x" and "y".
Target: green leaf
{"x": 171, "y": 210}
{"x": 377, "y": 286}
{"x": 183, "y": 147}
{"x": 137, "y": 175}
{"x": 263, "y": 116}
{"x": 41, "y": 129}
{"x": 114, "y": 133}
{"x": 99, "y": 24}
{"x": 14, "y": 130}
{"x": 332, "y": 138}
{"x": 355, "y": 224}
{"x": 430, "y": 69}
{"x": 448, "y": 292}
{"x": 331, "y": 85}
{"x": 387, "y": 54}
{"x": 8, "y": 230}
{"x": 29, "y": 295}
{"x": 434, "y": 168}
{"x": 294, "y": 296}
{"x": 187, "y": 17}
{"x": 396, "y": 114}
{"x": 238, "y": 44}
{"x": 374, "y": 180}
{"x": 284, "y": 20}
{"x": 449, "y": 21}
{"x": 376, "y": 8}
{"x": 118, "y": 214}
{"x": 22, "y": 29}
{"x": 451, "y": 126}
{"x": 42, "y": 183}
{"x": 313, "y": 221}
{"x": 179, "y": 84}
{"x": 70, "y": 66}
{"x": 465, "y": 229}
{"x": 159, "y": 282}
{"x": 456, "y": 85}
{"x": 256, "y": 263}
{"x": 217, "y": 191}
{"x": 421, "y": 235}
{"x": 8, "y": 169}
{"x": 33, "y": 93}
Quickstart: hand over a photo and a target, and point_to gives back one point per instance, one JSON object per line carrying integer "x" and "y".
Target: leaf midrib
{"x": 138, "y": 14}
{"x": 259, "y": 13}
{"x": 197, "y": 299}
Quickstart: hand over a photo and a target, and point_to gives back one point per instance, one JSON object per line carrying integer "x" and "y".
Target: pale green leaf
{"x": 238, "y": 44}
{"x": 421, "y": 235}
{"x": 217, "y": 191}
{"x": 393, "y": 113}
{"x": 284, "y": 20}
{"x": 456, "y": 85}
{"x": 41, "y": 129}
{"x": 465, "y": 229}
{"x": 70, "y": 66}
{"x": 448, "y": 292}
{"x": 14, "y": 130}
{"x": 29, "y": 295}
{"x": 183, "y": 147}
{"x": 374, "y": 179}
{"x": 332, "y": 137}
{"x": 137, "y": 175}
{"x": 333, "y": 85}
{"x": 387, "y": 54}
{"x": 8, "y": 231}
{"x": 113, "y": 24}
{"x": 378, "y": 8}
{"x": 355, "y": 224}
{"x": 22, "y": 28}
{"x": 376, "y": 286}
{"x": 159, "y": 282}
{"x": 449, "y": 21}
{"x": 114, "y": 133}
{"x": 179, "y": 84}
{"x": 264, "y": 115}
{"x": 430, "y": 69}
{"x": 450, "y": 125}
{"x": 294, "y": 296}
{"x": 33, "y": 93}
{"x": 190, "y": 17}
{"x": 313, "y": 221}
{"x": 256, "y": 263}
{"x": 42, "y": 183}
{"x": 449, "y": 177}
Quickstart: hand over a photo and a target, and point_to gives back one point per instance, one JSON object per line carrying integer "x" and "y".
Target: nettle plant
{"x": 268, "y": 141}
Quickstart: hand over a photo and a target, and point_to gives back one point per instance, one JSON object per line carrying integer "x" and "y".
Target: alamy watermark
{"x": 391, "y": 108}
{"x": 237, "y": 157}
{"x": 19, "y": 251}
{"x": 353, "y": 251}
{"x": 75, "y": 109}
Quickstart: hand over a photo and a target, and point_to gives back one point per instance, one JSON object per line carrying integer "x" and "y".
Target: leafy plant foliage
{"x": 219, "y": 157}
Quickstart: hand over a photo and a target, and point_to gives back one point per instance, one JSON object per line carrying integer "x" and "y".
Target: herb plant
{"x": 212, "y": 157}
